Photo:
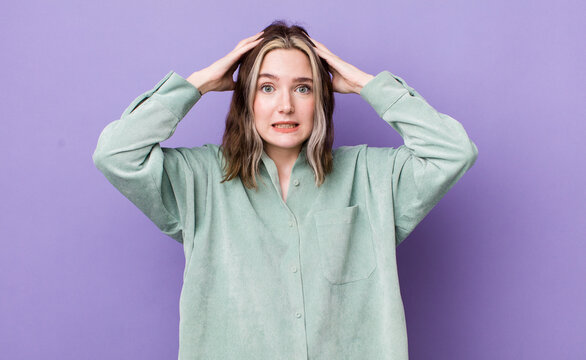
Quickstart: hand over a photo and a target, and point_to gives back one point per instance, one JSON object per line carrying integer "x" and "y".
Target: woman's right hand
{"x": 219, "y": 75}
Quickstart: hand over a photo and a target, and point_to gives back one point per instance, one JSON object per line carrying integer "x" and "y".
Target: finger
{"x": 331, "y": 60}
{"x": 245, "y": 46}
{"x": 321, "y": 46}
{"x": 314, "y": 42}
{"x": 254, "y": 37}
{"x": 322, "y": 53}
{"x": 250, "y": 38}
{"x": 234, "y": 56}
{"x": 317, "y": 43}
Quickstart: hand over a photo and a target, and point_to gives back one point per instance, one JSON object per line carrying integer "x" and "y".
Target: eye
{"x": 265, "y": 86}
{"x": 307, "y": 89}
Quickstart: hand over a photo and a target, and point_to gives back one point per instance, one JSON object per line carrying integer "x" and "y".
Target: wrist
{"x": 200, "y": 81}
{"x": 363, "y": 81}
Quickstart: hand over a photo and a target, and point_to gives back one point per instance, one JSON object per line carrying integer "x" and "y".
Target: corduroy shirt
{"x": 313, "y": 277}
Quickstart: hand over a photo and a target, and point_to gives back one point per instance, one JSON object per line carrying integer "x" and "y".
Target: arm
{"x": 437, "y": 150}
{"x": 160, "y": 181}
{"x": 436, "y": 153}
{"x": 129, "y": 155}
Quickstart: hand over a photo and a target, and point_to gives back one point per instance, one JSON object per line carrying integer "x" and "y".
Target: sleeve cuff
{"x": 383, "y": 91}
{"x": 176, "y": 93}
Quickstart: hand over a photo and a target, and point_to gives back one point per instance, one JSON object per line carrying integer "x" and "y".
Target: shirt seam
{"x": 393, "y": 103}
{"x": 154, "y": 97}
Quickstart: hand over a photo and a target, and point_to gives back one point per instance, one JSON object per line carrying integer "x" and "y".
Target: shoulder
{"x": 363, "y": 151}
{"x": 196, "y": 157}
{"x": 377, "y": 162}
{"x": 205, "y": 151}
{"x": 348, "y": 153}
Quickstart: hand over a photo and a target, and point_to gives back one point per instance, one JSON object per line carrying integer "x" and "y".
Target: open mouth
{"x": 285, "y": 125}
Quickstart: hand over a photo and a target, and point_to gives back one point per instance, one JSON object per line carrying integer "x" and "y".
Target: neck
{"x": 284, "y": 158}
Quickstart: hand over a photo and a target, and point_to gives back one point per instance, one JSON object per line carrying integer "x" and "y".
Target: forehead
{"x": 286, "y": 63}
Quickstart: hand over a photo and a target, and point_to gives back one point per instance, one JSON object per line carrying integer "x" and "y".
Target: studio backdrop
{"x": 495, "y": 271}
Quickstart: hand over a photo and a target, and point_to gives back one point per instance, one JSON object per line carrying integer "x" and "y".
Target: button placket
{"x": 292, "y": 237}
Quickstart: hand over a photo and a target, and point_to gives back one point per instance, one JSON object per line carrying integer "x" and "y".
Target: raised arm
{"x": 129, "y": 155}
{"x": 436, "y": 153}
{"x": 160, "y": 181}
{"x": 437, "y": 150}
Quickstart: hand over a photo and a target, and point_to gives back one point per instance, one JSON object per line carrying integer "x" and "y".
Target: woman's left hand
{"x": 346, "y": 78}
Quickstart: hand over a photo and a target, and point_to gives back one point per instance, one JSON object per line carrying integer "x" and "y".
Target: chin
{"x": 284, "y": 145}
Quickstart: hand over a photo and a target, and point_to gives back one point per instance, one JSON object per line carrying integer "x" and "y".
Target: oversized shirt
{"x": 313, "y": 277}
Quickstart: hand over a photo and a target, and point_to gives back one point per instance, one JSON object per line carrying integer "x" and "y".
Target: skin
{"x": 346, "y": 78}
{"x": 281, "y": 96}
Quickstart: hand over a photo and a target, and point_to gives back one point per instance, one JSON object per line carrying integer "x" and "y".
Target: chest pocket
{"x": 345, "y": 244}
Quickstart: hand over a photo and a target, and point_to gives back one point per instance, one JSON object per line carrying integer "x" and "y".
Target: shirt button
{"x": 296, "y": 182}
{"x": 298, "y": 315}
{"x": 291, "y": 224}
{"x": 294, "y": 268}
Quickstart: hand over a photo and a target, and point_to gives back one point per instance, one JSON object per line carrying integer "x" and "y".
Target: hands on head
{"x": 346, "y": 78}
{"x": 219, "y": 75}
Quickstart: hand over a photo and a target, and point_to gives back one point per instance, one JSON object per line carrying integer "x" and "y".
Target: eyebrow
{"x": 299, "y": 79}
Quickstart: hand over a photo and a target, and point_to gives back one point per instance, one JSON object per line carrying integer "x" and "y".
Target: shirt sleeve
{"x": 435, "y": 155}
{"x": 157, "y": 180}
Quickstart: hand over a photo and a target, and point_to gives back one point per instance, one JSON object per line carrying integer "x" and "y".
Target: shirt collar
{"x": 266, "y": 159}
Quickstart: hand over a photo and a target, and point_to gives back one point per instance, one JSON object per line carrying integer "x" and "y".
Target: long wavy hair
{"x": 242, "y": 146}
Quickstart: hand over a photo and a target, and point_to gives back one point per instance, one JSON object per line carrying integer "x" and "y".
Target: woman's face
{"x": 284, "y": 101}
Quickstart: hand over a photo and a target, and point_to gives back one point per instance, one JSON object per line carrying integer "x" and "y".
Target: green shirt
{"x": 314, "y": 277}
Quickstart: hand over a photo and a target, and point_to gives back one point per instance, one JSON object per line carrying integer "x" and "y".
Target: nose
{"x": 286, "y": 105}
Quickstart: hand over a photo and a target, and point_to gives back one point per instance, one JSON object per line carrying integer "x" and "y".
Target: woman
{"x": 301, "y": 263}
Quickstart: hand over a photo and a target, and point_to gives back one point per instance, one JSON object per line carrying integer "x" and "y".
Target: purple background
{"x": 495, "y": 271}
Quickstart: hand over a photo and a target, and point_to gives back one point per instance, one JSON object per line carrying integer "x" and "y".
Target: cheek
{"x": 310, "y": 110}
{"x": 260, "y": 109}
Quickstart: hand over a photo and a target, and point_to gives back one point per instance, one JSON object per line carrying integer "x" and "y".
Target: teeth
{"x": 285, "y": 126}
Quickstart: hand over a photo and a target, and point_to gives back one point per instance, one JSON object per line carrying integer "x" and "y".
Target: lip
{"x": 285, "y": 130}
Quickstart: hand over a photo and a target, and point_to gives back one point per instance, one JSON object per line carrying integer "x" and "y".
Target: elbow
{"x": 470, "y": 154}
{"x": 100, "y": 160}
{"x": 97, "y": 158}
